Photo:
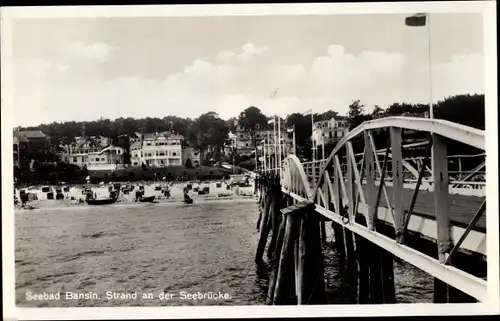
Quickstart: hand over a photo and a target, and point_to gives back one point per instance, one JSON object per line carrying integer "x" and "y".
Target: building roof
{"x": 30, "y": 134}
{"x": 20, "y": 139}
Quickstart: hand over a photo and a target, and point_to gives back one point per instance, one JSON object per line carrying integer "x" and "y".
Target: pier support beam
{"x": 285, "y": 287}
{"x": 363, "y": 265}
{"x": 264, "y": 228}
{"x": 275, "y": 261}
{"x": 310, "y": 262}
{"x": 275, "y": 220}
{"x": 338, "y": 233}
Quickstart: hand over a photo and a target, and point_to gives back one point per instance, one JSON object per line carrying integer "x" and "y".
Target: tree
{"x": 231, "y": 124}
{"x": 377, "y": 110}
{"x": 355, "y": 115}
{"x": 327, "y": 115}
{"x": 189, "y": 164}
{"x": 209, "y": 134}
{"x": 251, "y": 120}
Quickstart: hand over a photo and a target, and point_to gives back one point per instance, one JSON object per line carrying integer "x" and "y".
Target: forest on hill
{"x": 209, "y": 132}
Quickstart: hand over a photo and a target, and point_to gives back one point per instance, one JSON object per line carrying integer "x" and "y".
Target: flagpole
{"x": 313, "y": 147}
{"x": 268, "y": 151}
{"x": 293, "y": 142}
{"x": 431, "y": 107}
{"x": 279, "y": 142}
{"x": 414, "y": 23}
{"x": 322, "y": 147}
{"x": 274, "y": 143}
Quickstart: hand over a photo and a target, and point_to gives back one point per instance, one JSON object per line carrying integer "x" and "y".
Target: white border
{"x": 487, "y": 8}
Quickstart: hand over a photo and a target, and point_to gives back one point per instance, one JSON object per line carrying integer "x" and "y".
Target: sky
{"x": 81, "y": 69}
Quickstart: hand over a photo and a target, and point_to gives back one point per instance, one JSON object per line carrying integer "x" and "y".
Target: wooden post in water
{"x": 265, "y": 228}
{"x": 323, "y": 230}
{"x": 276, "y": 218}
{"x": 363, "y": 265}
{"x": 284, "y": 290}
{"x": 387, "y": 270}
{"x": 350, "y": 252}
{"x": 310, "y": 261}
{"x": 339, "y": 239}
{"x": 276, "y": 260}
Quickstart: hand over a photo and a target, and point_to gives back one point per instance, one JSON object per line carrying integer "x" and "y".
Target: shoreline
{"x": 83, "y": 206}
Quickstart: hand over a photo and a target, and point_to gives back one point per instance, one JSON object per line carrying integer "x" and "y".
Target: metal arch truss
{"x": 294, "y": 177}
{"x": 340, "y": 181}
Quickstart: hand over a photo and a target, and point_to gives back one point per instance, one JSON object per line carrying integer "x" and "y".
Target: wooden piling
{"x": 275, "y": 218}
{"x": 264, "y": 229}
{"x": 387, "y": 270}
{"x": 363, "y": 265}
{"x": 284, "y": 290}
{"x": 375, "y": 273}
{"x": 349, "y": 249}
{"x": 310, "y": 262}
{"x": 338, "y": 233}
{"x": 323, "y": 231}
{"x": 275, "y": 261}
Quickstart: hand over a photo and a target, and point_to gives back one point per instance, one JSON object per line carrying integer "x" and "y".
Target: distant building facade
{"x": 245, "y": 142}
{"x": 192, "y": 154}
{"x": 156, "y": 149}
{"x": 29, "y": 146}
{"x": 330, "y": 131}
{"x": 94, "y": 153}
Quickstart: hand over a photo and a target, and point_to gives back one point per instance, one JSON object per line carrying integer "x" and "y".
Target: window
{"x": 75, "y": 160}
{"x": 174, "y": 153}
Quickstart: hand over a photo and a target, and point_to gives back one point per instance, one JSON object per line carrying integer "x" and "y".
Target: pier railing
{"x": 392, "y": 203}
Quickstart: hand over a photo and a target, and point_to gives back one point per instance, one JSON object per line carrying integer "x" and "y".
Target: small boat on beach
{"x": 148, "y": 199}
{"x": 102, "y": 201}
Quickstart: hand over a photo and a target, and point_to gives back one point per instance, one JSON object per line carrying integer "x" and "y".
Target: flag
{"x": 273, "y": 94}
{"x": 289, "y": 130}
{"x": 417, "y": 20}
{"x": 308, "y": 112}
{"x": 271, "y": 121}
{"x": 106, "y": 149}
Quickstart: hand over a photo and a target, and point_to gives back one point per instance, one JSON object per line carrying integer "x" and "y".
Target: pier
{"x": 381, "y": 206}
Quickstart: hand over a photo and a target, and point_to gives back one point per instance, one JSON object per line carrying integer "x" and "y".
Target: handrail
{"x": 468, "y": 135}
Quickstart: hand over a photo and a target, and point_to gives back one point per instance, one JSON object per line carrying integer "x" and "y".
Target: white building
{"x": 245, "y": 143}
{"x": 157, "y": 150}
{"x": 95, "y": 152}
{"x": 330, "y": 131}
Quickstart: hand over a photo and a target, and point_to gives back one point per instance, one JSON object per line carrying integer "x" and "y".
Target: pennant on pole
{"x": 417, "y": 20}
{"x": 289, "y": 130}
{"x": 271, "y": 121}
{"x": 273, "y": 94}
